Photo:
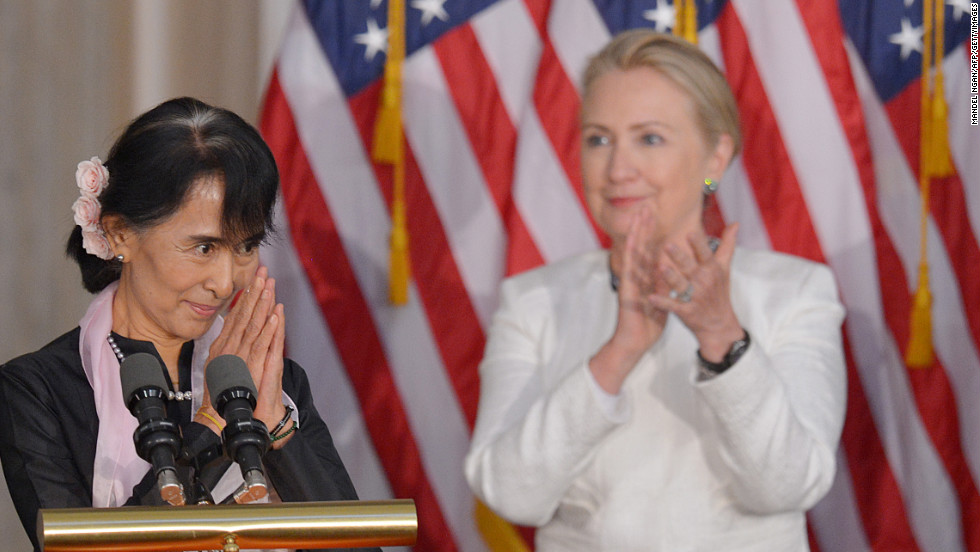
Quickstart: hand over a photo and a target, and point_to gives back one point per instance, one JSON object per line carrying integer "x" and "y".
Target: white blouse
{"x": 731, "y": 463}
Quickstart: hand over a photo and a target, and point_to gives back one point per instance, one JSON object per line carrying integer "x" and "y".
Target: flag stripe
{"x": 491, "y": 134}
{"x": 555, "y": 97}
{"x": 776, "y": 191}
{"x": 465, "y": 210}
{"x": 543, "y": 195}
{"x": 834, "y": 520}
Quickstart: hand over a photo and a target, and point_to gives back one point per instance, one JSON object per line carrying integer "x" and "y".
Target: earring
{"x": 710, "y": 186}
{"x": 119, "y": 258}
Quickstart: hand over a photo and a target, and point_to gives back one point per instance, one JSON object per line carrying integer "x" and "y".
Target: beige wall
{"x": 72, "y": 73}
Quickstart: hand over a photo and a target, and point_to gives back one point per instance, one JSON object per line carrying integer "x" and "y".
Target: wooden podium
{"x": 341, "y": 524}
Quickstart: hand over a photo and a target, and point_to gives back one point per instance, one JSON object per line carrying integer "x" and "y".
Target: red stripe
{"x": 454, "y": 324}
{"x": 777, "y": 191}
{"x": 314, "y": 235}
{"x": 947, "y": 204}
{"x": 491, "y": 134}
{"x": 811, "y": 538}
{"x": 876, "y": 491}
{"x": 556, "y": 102}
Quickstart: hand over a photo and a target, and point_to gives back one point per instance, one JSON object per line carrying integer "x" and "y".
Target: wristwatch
{"x": 708, "y": 369}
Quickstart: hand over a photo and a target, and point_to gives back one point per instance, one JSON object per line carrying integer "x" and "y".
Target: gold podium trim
{"x": 340, "y": 524}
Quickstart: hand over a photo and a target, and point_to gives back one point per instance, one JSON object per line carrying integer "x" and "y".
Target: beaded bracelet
{"x": 285, "y": 434}
{"x": 282, "y": 422}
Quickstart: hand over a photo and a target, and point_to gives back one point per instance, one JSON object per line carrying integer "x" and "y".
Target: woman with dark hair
{"x": 674, "y": 392}
{"x": 167, "y": 235}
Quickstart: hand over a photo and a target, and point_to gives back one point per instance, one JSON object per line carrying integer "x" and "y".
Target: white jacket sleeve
{"x": 780, "y": 409}
{"x": 530, "y": 442}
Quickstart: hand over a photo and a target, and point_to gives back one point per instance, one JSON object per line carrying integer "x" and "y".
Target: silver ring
{"x": 682, "y": 296}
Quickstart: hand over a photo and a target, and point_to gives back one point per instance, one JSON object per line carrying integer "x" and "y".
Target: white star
{"x": 909, "y": 38}
{"x": 959, "y": 8}
{"x": 375, "y": 4}
{"x": 909, "y": 3}
{"x": 374, "y": 40}
{"x": 663, "y": 16}
{"x": 430, "y": 9}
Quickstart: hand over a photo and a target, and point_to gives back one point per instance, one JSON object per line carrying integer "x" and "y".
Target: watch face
{"x": 737, "y": 350}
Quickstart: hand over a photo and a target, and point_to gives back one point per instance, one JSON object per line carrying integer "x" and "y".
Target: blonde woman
{"x": 675, "y": 392}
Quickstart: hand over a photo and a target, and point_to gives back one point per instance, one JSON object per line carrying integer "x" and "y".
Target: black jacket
{"x": 49, "y": 428}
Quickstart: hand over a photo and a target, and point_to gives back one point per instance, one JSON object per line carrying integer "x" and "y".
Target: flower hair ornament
{"x": 91, "y": 177}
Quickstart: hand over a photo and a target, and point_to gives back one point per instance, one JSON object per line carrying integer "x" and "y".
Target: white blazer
{"x": 671, "y": 463}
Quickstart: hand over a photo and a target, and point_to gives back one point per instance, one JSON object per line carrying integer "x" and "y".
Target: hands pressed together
{"x": 254, "y": 330}
{"x": 659, "y": 278}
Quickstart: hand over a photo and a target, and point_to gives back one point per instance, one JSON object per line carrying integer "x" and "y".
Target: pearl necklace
{"x": 176, "y": 396}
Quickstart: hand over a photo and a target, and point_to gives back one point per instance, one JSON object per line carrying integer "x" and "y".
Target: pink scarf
{"x": 117, "y": 466}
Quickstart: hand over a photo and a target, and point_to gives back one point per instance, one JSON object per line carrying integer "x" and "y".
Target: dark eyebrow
{"x": 205, "y": 238}
{"x": 200, "y": 238}
{"x": 258, "y": 237}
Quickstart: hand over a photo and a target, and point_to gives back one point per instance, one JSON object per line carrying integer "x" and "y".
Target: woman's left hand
{"x": 700, "y": 292}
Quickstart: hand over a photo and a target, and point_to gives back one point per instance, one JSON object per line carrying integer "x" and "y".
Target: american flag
{"x": 829, "y": 100}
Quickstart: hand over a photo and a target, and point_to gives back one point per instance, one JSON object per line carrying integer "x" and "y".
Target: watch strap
{"x": 709, "y": 369}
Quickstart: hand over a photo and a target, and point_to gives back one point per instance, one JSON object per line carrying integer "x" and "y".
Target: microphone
{"x": 157, "y": 439}
{"x": 246, "y": 439}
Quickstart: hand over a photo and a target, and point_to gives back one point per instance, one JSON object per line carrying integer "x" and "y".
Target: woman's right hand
{"x": 254, "y": 331}
{"x": 639, "y": 323}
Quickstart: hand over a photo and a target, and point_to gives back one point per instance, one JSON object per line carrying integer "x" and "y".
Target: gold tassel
{"x": 918, "y": 354}
{"x": 686, "y": 18}
{"x": 933, "y": 162}
{"x": 386, "y": 147}
{"x": 499, "y": 535}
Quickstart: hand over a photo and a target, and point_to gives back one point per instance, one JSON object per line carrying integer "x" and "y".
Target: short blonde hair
{"x": 685, "y": 65}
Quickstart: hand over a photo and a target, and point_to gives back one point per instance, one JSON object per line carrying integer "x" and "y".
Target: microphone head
{"x": 228, "y": 372}
{"x": 138, "y": 371}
